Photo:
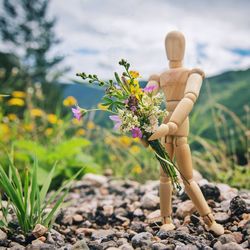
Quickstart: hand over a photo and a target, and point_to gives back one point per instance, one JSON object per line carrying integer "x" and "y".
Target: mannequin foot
{"x": 167, "y": 227}
{"x": 167, "y": 224}
{"x": 212, "y": 225}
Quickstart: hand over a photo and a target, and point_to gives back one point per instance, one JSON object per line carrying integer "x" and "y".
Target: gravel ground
{"x": 107, "y": 213}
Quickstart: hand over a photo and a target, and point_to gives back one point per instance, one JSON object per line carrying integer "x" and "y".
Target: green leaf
{"x": 46, "y": 185}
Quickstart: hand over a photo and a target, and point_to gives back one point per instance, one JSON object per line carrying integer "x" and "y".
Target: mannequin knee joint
{"x": 165, "y": 179}
{"x": 180, "y": 141}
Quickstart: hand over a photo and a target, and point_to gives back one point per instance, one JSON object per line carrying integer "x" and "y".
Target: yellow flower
{"x": 16, "y": 102}
{"x": 28, "y": 127}
{"x": 90, "y": 125}
{"x": 4, "y": 129}
{"x": 135, "y": 149}
{"x": 80, "y": 132}
{"x": 125, "y": 140}
{"x": 134, "y": 74}
{"x": 136, "y": 139}
{"x": 60, "y": 122}
{"x": 69, "y": 101}
{"x": 48, "y": 131}
{"x": 12, "y": 117}
{"x": 108, "y": 140}
{"x": 137, "y": 169}
{"x": 52, "y": 118}
{"x": 136, "y": 91}
{"x": 77, "y": 122}
{"x": 102, "y": 107}
{"x": 18, "y": 94}
{"x": 36, "y": 112}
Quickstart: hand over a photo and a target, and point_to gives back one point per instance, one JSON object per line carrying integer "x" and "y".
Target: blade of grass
{"x": 46, "y": 185}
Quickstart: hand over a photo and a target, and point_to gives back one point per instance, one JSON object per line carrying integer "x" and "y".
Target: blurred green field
{"x": 219, "y": 133}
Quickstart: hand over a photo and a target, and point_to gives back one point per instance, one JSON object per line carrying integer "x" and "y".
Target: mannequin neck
{"x": 175, "y": 64}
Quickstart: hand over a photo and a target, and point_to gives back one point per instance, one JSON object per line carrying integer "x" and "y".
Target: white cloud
{"x": 135, "y": 30}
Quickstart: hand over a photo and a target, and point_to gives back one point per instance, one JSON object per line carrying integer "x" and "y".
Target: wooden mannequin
{"x": 181, "y": 87}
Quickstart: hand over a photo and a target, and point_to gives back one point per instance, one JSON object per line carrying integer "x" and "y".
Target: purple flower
{"x": 78, "y": 114}
{"x": 136, "y": 132}
{"x": 150, "y": 89}
{"x": 116, "y": 119}
{"x": 133, "y": 108}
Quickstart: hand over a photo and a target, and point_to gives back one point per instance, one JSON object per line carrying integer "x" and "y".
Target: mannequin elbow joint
{"x": 191, "y": 96}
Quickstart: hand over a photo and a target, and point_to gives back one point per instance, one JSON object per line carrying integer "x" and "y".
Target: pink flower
{"x": 116, "y": 119}
{"x": 150, "y": 89}
{"x": 78, "y": 112}
{"x": 136, "y": 132}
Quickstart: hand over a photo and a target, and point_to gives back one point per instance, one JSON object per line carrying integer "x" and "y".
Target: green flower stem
{"x": 167, "y": 165}
{"x": 106, "y": 110}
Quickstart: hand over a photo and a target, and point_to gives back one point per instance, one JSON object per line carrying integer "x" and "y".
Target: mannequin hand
{"x": 165, "y": 129}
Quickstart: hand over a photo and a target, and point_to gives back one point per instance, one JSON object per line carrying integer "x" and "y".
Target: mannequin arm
{"x": 184, "y": 107}
{"x": 191, "y": 94}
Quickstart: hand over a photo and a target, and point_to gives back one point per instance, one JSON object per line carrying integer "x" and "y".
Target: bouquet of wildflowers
{"x": 134, "y": 110}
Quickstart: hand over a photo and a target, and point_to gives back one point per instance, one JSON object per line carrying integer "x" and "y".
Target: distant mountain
{"x": 231, "y": 89}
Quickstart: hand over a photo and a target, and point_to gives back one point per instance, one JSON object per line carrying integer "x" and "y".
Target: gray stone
{"x": 150, "y": 201}
{"x": 158, "y": 246}
{"x": 226, "y": 238}
{"x": 231, "y": 246}
{"x": 126, "y": 247}
{"x": 142, "y": 239}
{"x": 221, "y": 217}
{"x": 185, "y": 208}
{"x": 80, "y": 245}
{"x": 95, "y": 180}
{"x": 16, "y": 246}
{"x": 226, "y": 192}
{"x": 103, "y": 235}
{"x": 3, "y": 235}
{"x": 187, "y": 247}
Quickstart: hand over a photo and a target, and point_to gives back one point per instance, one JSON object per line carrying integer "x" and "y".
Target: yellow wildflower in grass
{"x": 18, "y": 94}
{"x": 36, "y": 112}
{"x": 52, "y": 118}
{"x": 69, "y": 101}
{"x": 137, "y": 140}
{"x": 48, "y": 131}
{"x": 28, "y": 127}
{"x": 102, "y": 107}
{"x": 125, "y": 140}
{"x": 77, "y": 122}
{"x": 81, "y": 132}
{"x": 60, "y": 122}
{"x": 109, "y": 140}
{"x": 16, "y": 102}
{"x": 12, "y": 117}
{"x": 134, "y": 74}
{"x": 4, "y": 129}
{"x": 135, "y": 149}
{"x": 90, "y": 125}
{"x": 137, "y": 169}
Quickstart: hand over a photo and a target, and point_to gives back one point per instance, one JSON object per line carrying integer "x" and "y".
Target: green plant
{"x": 27, "y": 199}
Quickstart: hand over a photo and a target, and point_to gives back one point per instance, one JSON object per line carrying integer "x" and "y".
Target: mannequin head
{"x": 175, "y": 48}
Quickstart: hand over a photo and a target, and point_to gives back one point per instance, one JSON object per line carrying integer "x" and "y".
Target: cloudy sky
{"x": 97, "y": 33}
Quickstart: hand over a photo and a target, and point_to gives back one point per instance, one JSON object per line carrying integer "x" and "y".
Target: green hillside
{"x": 230, "y": 89}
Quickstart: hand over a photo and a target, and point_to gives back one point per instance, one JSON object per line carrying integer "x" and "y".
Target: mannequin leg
{"x": 184, "y": 162}
{"x": 166, "y": 190}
